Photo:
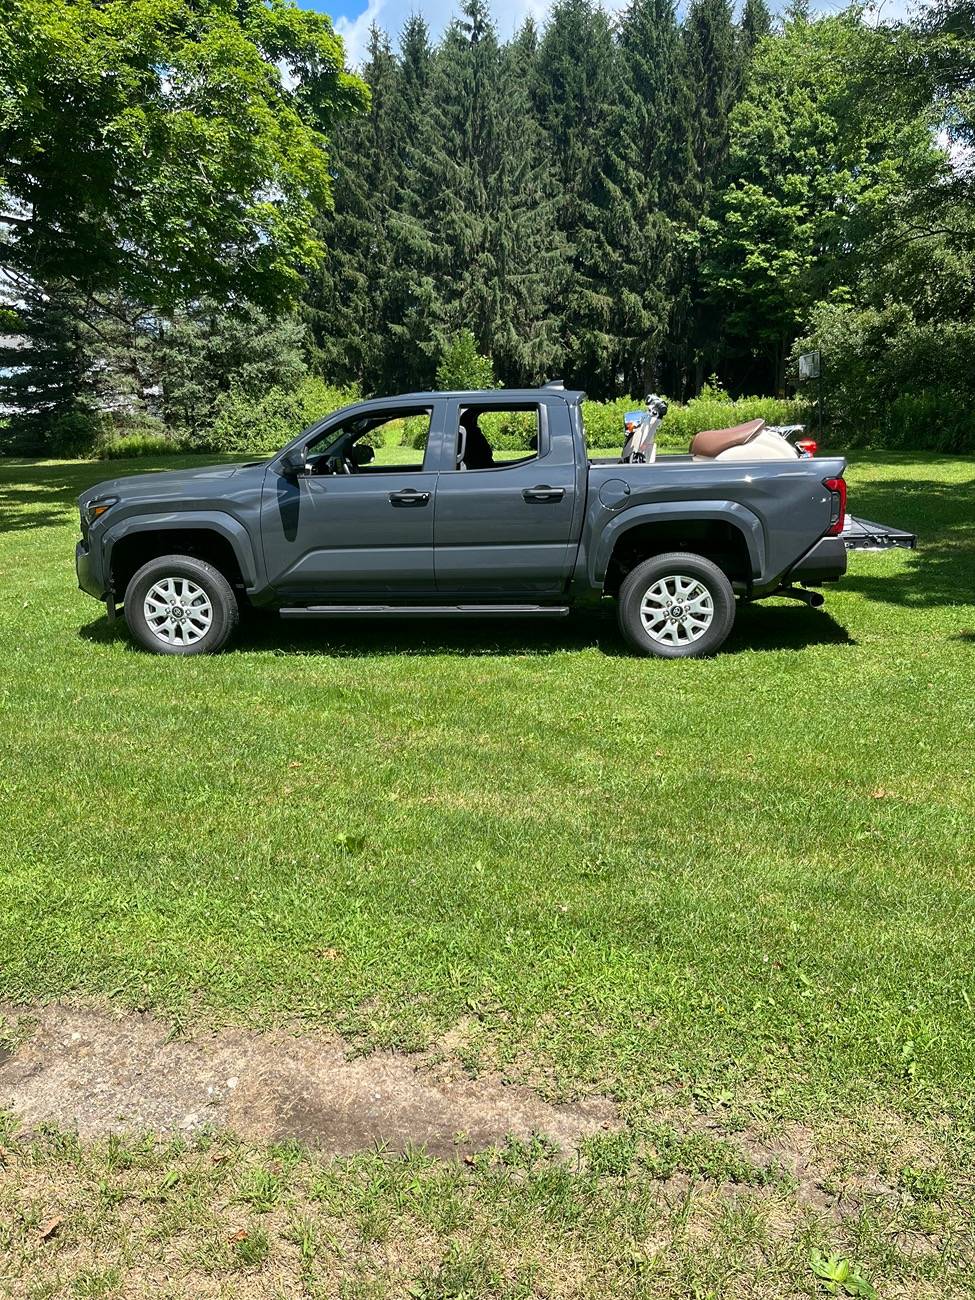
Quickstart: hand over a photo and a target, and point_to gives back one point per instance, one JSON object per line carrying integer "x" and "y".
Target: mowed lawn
{"x": 743, "y": 885}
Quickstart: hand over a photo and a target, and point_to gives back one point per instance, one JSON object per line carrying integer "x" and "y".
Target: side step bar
{"x": 424, "y": 611}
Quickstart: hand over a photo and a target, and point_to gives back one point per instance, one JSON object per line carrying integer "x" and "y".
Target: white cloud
{"x": 392, "y": 16}
{"x": 355, "y": 31}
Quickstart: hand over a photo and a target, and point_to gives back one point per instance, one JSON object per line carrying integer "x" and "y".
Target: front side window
{"x": 373, "y": 442}
{"x": 495, "y": 437}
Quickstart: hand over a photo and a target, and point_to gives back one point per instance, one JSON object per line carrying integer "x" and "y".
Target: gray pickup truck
{"x": 320, "y": 531}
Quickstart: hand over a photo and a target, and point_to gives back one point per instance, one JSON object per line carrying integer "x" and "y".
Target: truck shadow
{"x": 757, "y": 628}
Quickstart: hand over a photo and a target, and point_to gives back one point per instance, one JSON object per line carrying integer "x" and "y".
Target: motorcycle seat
{"x": 712, "y": 442}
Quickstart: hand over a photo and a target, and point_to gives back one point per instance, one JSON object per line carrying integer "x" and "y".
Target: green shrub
{"x": 259, "y": 426}
{"x": 603, "y": 421}
{"x": 710, "y": 411}
{"x": 935, "y": 418}
{"x": 510, "y": 430}
{"x": 462, "y": 366}
{"x": 713, "y": 409}
{"x": 139, "y": 443}
{"x": 891, "y": 379}
{"x": 414, "y": 432}
{"x": 73, "y": 434}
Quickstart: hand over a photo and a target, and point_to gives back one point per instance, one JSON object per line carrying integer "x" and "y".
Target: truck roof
{"x": 553, "y": 388}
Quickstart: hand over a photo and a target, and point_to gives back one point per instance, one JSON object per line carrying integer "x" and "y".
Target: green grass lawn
{"x": 741, "y": 885}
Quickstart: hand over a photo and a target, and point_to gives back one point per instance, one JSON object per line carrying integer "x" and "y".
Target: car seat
{"x": 473, "y": 449}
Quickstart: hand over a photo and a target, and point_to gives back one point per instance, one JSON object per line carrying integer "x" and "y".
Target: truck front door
{"x": 353, "y": 527}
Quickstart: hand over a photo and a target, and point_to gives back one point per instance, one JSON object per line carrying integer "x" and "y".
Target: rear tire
{"x": 179, "y": 605}
{"x": 676, "y": 606}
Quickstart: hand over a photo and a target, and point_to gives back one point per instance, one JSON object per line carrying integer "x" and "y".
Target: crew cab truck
{"x": 322, "y": 531}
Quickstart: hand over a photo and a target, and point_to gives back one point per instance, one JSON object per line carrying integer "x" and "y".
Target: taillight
{"x": 837, "y": 514}
{"x": 807, "y": 446}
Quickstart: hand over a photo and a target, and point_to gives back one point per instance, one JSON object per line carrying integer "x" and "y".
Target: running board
{"x": 424, "y": 611}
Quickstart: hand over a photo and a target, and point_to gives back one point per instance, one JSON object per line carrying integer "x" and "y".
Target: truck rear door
{"x": 503, "y": 524}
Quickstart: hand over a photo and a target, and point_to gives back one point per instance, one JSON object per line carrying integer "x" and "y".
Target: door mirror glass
{"x": 294, "y": 461}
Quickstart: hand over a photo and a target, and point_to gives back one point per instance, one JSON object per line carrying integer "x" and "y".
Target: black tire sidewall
{"x": 644, "y": 575}
{"x": 218, "y": 589}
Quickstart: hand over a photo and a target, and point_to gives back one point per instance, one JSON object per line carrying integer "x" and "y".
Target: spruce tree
{"x": 486, "y": 205}
{"x": 530, "y": 250}
{"x": 412, "y": 305}
{"x": 346, "y": 297}
{"x": 756, "y": 23}
{"x": 654, "y": 121}
{"x": 577, "y": 99}
{"x": 713, "y": 75}
{"x": 713, "y": 80}
{"x": 47, "y": 375}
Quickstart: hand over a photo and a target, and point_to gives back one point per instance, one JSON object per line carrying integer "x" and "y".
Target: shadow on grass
{"x": 941, "y": 571}
{"x": 34, "y": 495}
{"x": 757, "y": 628}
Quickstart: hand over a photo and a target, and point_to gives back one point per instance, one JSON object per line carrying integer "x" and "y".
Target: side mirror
{"x": 294, "y": 462}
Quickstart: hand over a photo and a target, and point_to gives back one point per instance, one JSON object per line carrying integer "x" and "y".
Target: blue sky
{"x": 353, "y": 18}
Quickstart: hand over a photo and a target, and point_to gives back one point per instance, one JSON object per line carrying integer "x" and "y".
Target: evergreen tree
{"x": 713, "y": 73}
{"x": 412, "y": 303}
{"x": 530, "y": 247}
{"x": 47, "y": 378}
{"x": 208, "y": 351}
{"x": 756, "y": 23}
{"x": 577, "y": 99}
{"x": 485, "y": 204}
{"x": 654, "y": 122}
{"x": 347, "y": 297}
{"x": 713, "y": 80}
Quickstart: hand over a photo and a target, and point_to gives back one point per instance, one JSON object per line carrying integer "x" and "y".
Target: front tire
{"x": 676, "y": 606}
{"x": 179, "y": 605}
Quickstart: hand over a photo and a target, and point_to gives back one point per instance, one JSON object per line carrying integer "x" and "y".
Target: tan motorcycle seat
{"x": 712, "y": 442}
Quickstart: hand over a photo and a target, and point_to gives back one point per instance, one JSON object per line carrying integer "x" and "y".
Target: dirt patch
{"x": 793, "y": 1150}
{"x": 98, "y": 1072}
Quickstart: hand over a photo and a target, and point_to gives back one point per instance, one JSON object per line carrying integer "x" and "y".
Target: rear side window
{"x": 493, "y": 437}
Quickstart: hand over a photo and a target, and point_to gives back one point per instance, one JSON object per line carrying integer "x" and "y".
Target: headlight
{"x": 93, "y": 510}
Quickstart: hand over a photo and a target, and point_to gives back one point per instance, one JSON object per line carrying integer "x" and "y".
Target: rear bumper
{"x": 88, "y": 581}
{"x": 824, "y": 562}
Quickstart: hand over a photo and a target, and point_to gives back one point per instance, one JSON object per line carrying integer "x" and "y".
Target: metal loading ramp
{"x": 865, "y": 535}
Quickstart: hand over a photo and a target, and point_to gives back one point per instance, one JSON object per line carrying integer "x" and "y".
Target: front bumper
{"x": 88, "y": 580}
{"x": 824, "y": 562}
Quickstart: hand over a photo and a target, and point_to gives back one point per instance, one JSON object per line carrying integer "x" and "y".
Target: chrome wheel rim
{"x": 676, "y": 610}
{"x": 178, "y": 611}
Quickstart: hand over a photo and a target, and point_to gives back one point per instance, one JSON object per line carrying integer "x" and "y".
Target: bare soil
{"x": 94, "y": 1071}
